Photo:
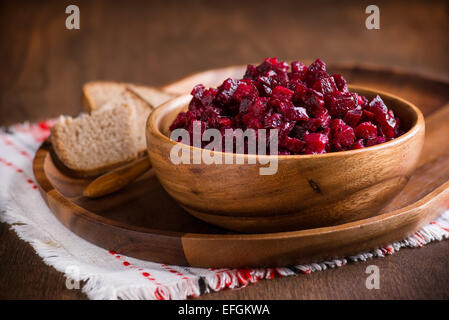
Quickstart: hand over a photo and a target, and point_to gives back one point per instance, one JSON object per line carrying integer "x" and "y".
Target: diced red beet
{"x": 325, "y": 86}
{"x": 352, "y": 117}
{"x": 197, "y": 91}
{"x": 259, "y": 106}
{"x": 210, "y": 112}
{"x": 293, "y": 113}
{"x": 315, "y": 143}
{"x": 321, "y": 119}
{"x": 254, "y": 123}
{"x": 243, "y": 89}
{"x": 293, "y": 144}
{"x": 340, "y": 102}
{"x": 285, "y": 128}
{"x": 281, "y": 93}
{"x": 359, "y": 144}
{"x": 226, "y": 91}
{"x": 370, "y": 142}
{"x": 315, "y": 72}
{"x": 313, "y": 99}
{"x": 208, "y": 97}
{"x": 380, "y": 110}
{"x": 367, "y": 115}
{"x": 341, "y": 82}
{"x": 380, "y": 140}
{"x": 179, "y": 122}
{"x": 293, "y": 83}
{"x": 362, "y": 101}
{"x": 366, "y": 130}
{"x": 299, "y": 70}
{"x": 299, "y": 131}
{"x": 266, "y": 65}
{"x": 273, "y": 121}
{"x": 301, "y": 91}
{"x": 342, "y": 134}
{"x": 389, "y": 126}
{"x": 251, "y": 72}
{"x": 314, "y": 112}
{"x": 224, "y": 122}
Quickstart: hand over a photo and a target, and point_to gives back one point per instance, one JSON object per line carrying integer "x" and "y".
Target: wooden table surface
{"x": 43, "y": 66}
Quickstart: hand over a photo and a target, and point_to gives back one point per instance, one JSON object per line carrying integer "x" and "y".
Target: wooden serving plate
{"x": 142, "y": 220}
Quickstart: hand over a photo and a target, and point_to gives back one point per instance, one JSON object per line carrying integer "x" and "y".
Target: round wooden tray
{"x": 142, "y": 220}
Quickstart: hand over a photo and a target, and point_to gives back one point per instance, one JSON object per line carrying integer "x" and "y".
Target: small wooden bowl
{"x": 308, "y": 191}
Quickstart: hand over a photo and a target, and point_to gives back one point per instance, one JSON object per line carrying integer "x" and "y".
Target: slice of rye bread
{"x": 92, "y": 144}
{"x": 97, "y": 93}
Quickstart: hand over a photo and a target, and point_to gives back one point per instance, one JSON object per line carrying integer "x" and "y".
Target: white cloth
{"x": 107, "y": 275}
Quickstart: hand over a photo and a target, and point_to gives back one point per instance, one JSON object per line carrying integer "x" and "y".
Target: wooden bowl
{"x": 308, "y": 191}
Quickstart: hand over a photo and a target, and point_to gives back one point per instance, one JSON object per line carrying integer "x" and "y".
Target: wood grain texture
{"x": 45, "y": 66}
{"x": 352, "y": 185}
{"x": 95, "y": 228}
{"x": 117, "y": 179}
{"x": 87, "y": 219}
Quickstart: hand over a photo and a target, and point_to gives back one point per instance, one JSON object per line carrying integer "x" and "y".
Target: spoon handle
{"x": 117, "y": 179}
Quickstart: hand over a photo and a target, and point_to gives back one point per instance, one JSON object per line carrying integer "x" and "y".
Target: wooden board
{"x": 144, "y": 222}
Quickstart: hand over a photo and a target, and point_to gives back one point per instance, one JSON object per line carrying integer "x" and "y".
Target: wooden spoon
{"x": 117, "y": 179}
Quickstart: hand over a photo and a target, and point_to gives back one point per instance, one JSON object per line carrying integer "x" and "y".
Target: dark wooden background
{"x": 43, "y": 66}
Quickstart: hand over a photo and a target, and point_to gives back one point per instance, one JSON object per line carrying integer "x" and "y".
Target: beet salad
{"x": 313, "y": 111}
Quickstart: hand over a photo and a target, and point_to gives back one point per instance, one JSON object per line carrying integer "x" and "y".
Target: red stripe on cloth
{"x": 20, "y": 150}
{"x": 270, "y": 274}
{"x": 160, "y": 295}
{"x": 18, "y": 170}
{"x": 439, "y": 226}
{"x": 39, "y": 132}
{"x": 179, "y": 274}
{"x": 127, "y": 264}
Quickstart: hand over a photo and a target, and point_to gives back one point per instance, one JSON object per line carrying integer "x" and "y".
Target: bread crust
{"x": 83, "y": 174}
{"x": 136, "y": 95}
{"x": 85, "y": 161}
